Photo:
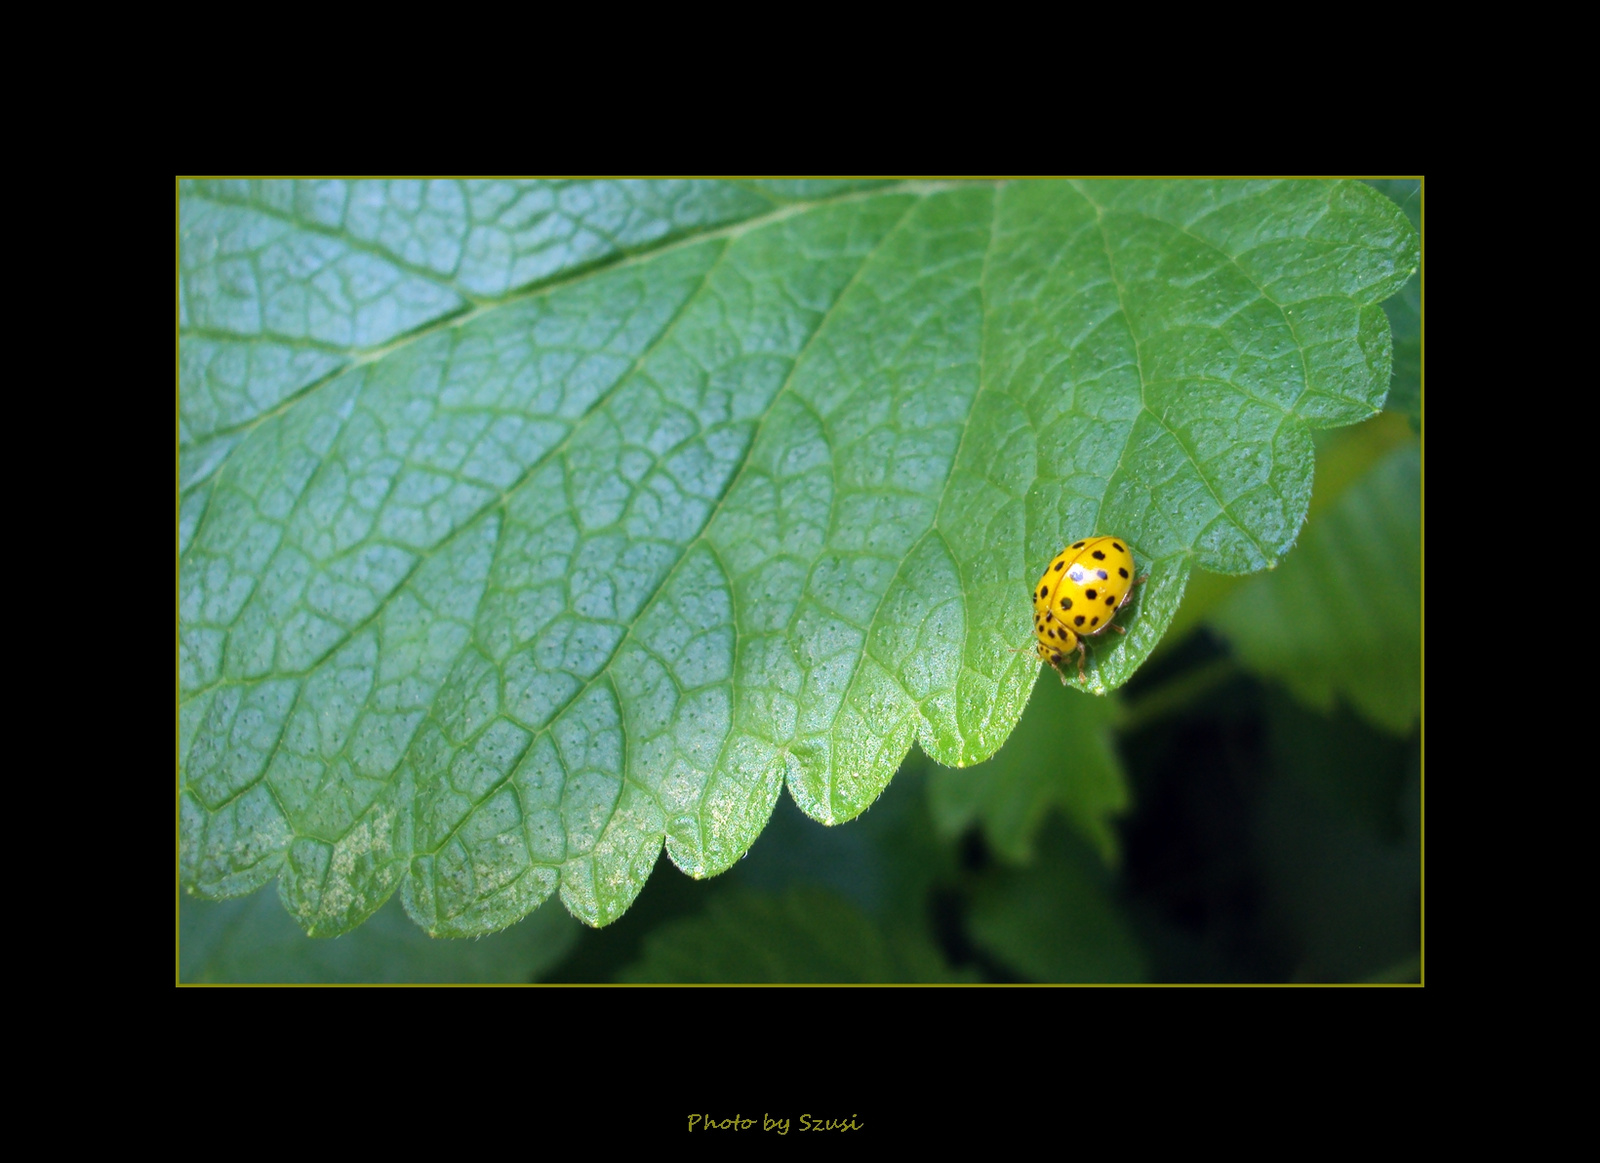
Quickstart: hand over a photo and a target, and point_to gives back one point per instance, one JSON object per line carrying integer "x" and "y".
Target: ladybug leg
{"x": 1082, "y": 654}
{"x": 1114, "y": 626}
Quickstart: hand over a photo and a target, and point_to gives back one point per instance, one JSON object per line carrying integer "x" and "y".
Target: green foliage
{"x": 805, "y": 935}
{"x": 1061, "y": 756}
{"x": 1338, "y": 837}
{"x": 527, "y": 528}
{"x": 1343, "y": 616}
{"x": 252, "y": 940}
{"x": 1405, "y": 314}
{"x": 1057, "y": 920}
{"x": 1405, "y": 321}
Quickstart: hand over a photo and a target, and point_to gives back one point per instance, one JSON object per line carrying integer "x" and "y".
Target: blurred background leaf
{"x": 802, "y": 935}
{"x": 1061, "y": 756}
{"x": 1338, "y": 837}
{"x": 1343, "y": 616}
{"x": 251, "y": 940}
{"x": 1058, "y": 920}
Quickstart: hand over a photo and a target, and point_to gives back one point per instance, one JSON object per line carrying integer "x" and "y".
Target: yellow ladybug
{"x": 1080, "y": 593}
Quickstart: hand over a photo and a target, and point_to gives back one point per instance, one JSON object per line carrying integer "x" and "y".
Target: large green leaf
{"x": 515, "y": 546}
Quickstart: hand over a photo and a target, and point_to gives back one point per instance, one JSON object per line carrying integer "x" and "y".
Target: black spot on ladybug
{"x": 1066, "y": 603}
{"x": 1050, "y": 633}
{"x": 1077, "y": 545}
{"x": 1050, "y": 617}
{"x": 1123, "y": 572}
{"x": 1118, "y": 548}
{"x": 1091, "y": 594}
{"x": 1103, "y": 574}
{"x": 1061, "y": 565}
{"x": 1078, "y": 621}
{"x": 1056, "y": 657}
{"x": 1098, "y": 555}
{"x": 1111, "y": 599}
{"x": 1044, "y": 591}
{"x": 1095, "y": 622}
